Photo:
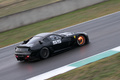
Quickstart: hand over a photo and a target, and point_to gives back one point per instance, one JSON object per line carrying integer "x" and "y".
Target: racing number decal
{"x": 56, "y": 42}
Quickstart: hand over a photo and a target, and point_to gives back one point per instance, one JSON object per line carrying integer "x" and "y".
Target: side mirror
{"x": 41, "y": 42}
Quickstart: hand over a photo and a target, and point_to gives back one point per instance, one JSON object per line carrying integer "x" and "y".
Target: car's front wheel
{"x": 81, "y": 40}
{"x": 44, "y": 53}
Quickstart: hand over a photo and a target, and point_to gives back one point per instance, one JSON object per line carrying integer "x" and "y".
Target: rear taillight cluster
{"x": 25, "y": 57}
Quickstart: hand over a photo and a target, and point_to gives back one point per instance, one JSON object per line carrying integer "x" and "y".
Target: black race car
{"x": 41, "y": 46}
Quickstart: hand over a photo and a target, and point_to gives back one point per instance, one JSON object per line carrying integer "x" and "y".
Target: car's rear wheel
{"x": 81, "y": 40}
{"x": 44, "y": 53}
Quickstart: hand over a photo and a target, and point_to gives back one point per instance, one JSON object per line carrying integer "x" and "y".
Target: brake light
{"x": 16, "y": 56}
{"x": 27, "y": 57}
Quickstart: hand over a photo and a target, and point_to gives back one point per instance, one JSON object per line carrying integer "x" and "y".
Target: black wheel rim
{"x": 45, "y": 53}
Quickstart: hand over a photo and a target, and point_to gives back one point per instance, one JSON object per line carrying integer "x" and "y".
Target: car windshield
{"x": 34, "y": 40}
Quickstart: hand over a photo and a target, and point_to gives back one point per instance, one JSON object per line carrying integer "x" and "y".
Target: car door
{"x": 56, "y": 41}
{"x": 59, "y": 42}
{"x": 65, "y": 42}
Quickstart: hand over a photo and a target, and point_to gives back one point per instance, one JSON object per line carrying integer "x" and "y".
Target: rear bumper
{"x": 21, "y": 57}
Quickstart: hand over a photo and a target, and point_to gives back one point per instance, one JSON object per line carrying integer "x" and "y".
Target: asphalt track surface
{"x": 104, "y": 34}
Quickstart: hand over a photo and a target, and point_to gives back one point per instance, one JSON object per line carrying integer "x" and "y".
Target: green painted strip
{"x": 93, "y": 58}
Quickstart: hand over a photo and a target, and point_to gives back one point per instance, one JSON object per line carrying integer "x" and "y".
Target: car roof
{"x": 43, "y": 34}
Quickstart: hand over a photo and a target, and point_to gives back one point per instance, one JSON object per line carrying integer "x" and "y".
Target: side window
{"x": 54, "y": 37}
{"x": 58, "y": 37}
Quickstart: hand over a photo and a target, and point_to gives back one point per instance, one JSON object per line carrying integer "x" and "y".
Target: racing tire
{"x": 81, "y": 40}
{"x": 44, "y": 53}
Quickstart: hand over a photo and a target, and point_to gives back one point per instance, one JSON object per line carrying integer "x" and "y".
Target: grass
{"x": 105, "y": 69}
{"x": 8, "y": 7}
{"x": 62, "y": 21}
